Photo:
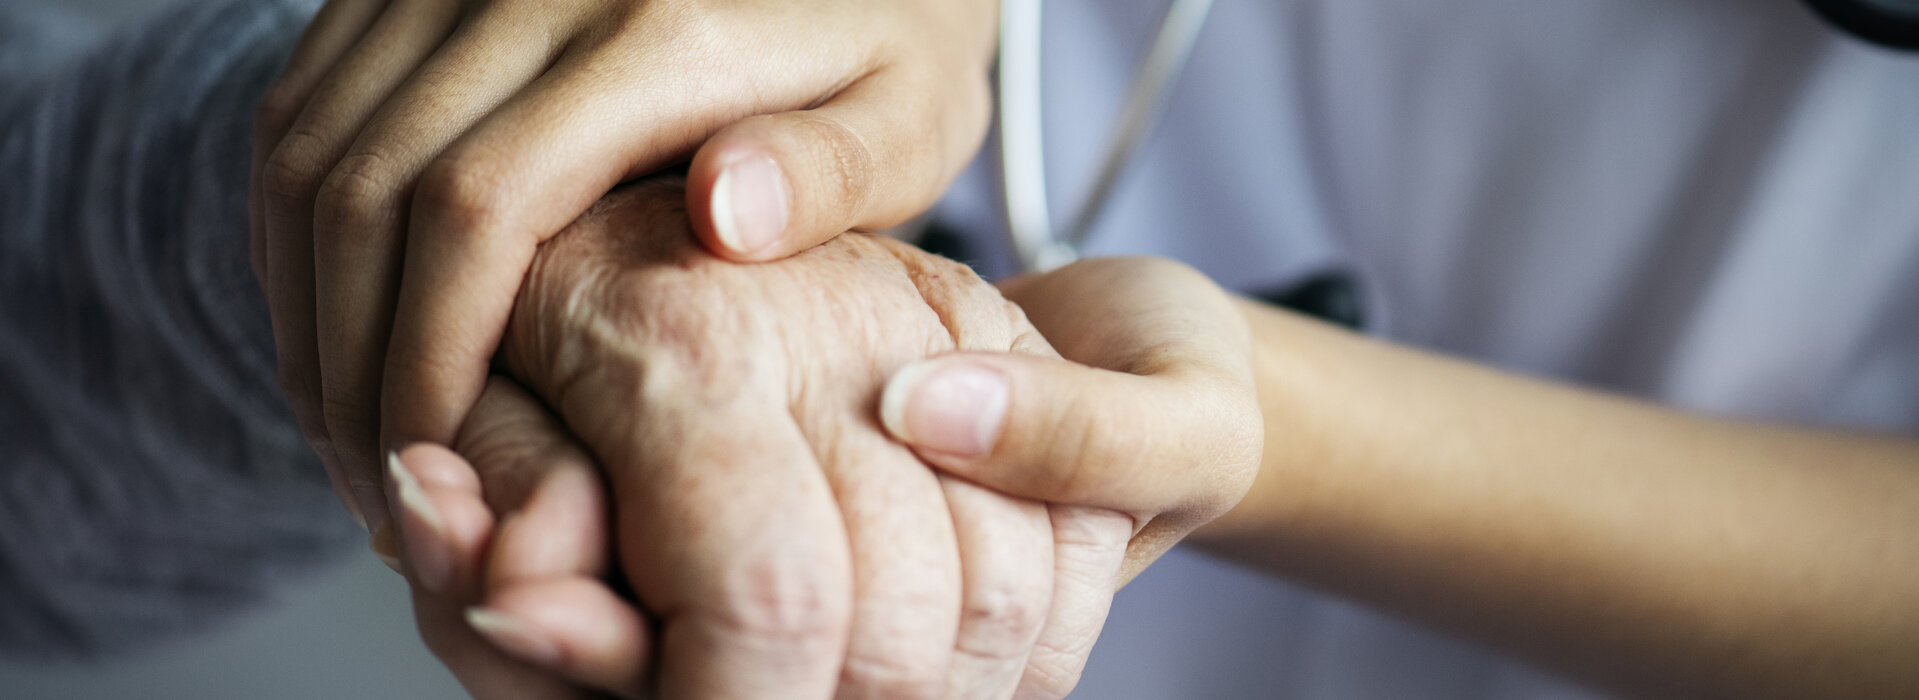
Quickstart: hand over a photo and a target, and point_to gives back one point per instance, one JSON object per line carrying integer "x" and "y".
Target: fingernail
{"x": 425, "y": 533}
{"x": 513, "y": 636}
{"x": 386, "y": 547}
{"x": 750, "y": 205}
{"x": 951, "y": 406}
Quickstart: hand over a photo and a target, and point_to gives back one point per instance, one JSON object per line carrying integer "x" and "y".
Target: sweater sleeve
{"x": 152, "y": 480}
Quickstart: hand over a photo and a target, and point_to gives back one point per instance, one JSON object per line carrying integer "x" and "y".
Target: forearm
{"x": 1615, "y": 540}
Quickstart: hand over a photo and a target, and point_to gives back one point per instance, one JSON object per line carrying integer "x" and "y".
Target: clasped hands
{"x": 729, "y": 432}
{"x": 730, "y": 440}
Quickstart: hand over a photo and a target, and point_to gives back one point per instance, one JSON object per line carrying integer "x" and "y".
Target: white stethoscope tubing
{"x": 1022, "y": 131}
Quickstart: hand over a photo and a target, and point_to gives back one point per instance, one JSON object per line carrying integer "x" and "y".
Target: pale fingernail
{"x": 750, "y": 205}
{"x": 513, "y": 636}
{"x": 952, "y": 406}
{"x": 426, "y": 550}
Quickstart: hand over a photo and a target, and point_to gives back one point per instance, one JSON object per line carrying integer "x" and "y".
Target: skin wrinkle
{"x": 654, "y": 331}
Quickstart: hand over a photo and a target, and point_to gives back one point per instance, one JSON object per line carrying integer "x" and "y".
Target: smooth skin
{"x": 414, "y": 153}
{"x": 780, "y": 544}
{"x": 1643, "y": 549}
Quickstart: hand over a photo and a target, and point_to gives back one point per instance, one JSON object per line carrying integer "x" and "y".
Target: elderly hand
{"x": 446, "y": 138}
{"x": 787, "y": 547}
{"x": 1155, "y": 414}
{"x": 525, "y": 522}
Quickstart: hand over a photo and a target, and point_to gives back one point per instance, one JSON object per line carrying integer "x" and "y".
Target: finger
{"x": 523, "y": 463}
{"x": 479, "y": 663}
{"x": 1006, "y": 555}
{"x": 403, "y": 37}
{"x": 333, "y": 30}
{"x": 443, "y": 520}
{"x": 437, "y": 485}
{"x": 604, "y": 113}
{"x": 361, "y": 205}
{"x": 1089, "y": 545}
{"x": 575, "y": 626}
{"x": 773, "y": 185}
{"x": 560, "y": 531}
{"x": 731, "y": 537}
{"x": 1056, "y": 431}
{"x": 907, "y": 590}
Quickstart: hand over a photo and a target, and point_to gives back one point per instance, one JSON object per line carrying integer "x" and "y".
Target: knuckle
{"x": 356, "y": 193}
{"x": 462, "y": 192}
{"x": 890, "y": 675}
{"x": 786, "y": 601}
{"x": 1001, "y": 617}
{"x": 294, "y": 170}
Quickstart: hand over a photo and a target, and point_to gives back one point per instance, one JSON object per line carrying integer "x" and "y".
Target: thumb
{"x": 1055, "y": 431}
{"x": 774, "y": 185}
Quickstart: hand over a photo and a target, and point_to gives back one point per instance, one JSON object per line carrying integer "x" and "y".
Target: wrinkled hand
{"x": 524, "y": 522}
{"x": 787, "y": 547}
{"x": 1154, "y": 415}
{"x": 446, "y": 138}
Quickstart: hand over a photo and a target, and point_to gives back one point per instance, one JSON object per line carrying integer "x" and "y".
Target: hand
{"x": 524, "y": 525}
{"x": 1156, "y": 414}
{"x": 784, "y": 543}
{"x": 414, "y": 152}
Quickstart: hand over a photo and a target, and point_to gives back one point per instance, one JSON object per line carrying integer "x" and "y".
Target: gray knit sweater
{"x": 151, "y": 479}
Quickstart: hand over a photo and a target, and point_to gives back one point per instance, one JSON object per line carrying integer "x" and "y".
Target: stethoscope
{"x": 1029, "y": 217}
{"x": 1029, "y": 221}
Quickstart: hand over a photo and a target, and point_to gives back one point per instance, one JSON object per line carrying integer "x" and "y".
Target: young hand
{"x": 414, "y": 152}
{"x": 1153, "y": 411}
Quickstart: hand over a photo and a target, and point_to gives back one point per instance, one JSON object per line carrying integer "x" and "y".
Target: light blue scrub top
{"x": 1709, "y": 203}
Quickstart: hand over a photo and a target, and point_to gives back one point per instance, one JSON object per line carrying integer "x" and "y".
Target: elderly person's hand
{"x": 1155, "y": 414}
{"x": 525, "y": 521}
{"x": 447, "y": 138}
{"x": 786, "y": 546}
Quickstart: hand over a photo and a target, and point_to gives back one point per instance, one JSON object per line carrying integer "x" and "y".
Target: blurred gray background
{"x": 345, "y": 633}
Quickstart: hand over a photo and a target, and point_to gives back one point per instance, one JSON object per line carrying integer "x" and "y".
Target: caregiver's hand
{"x": 786, "y": 546}
{"x": 444, "y": 139}
{"x": 1156, "y": 415}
